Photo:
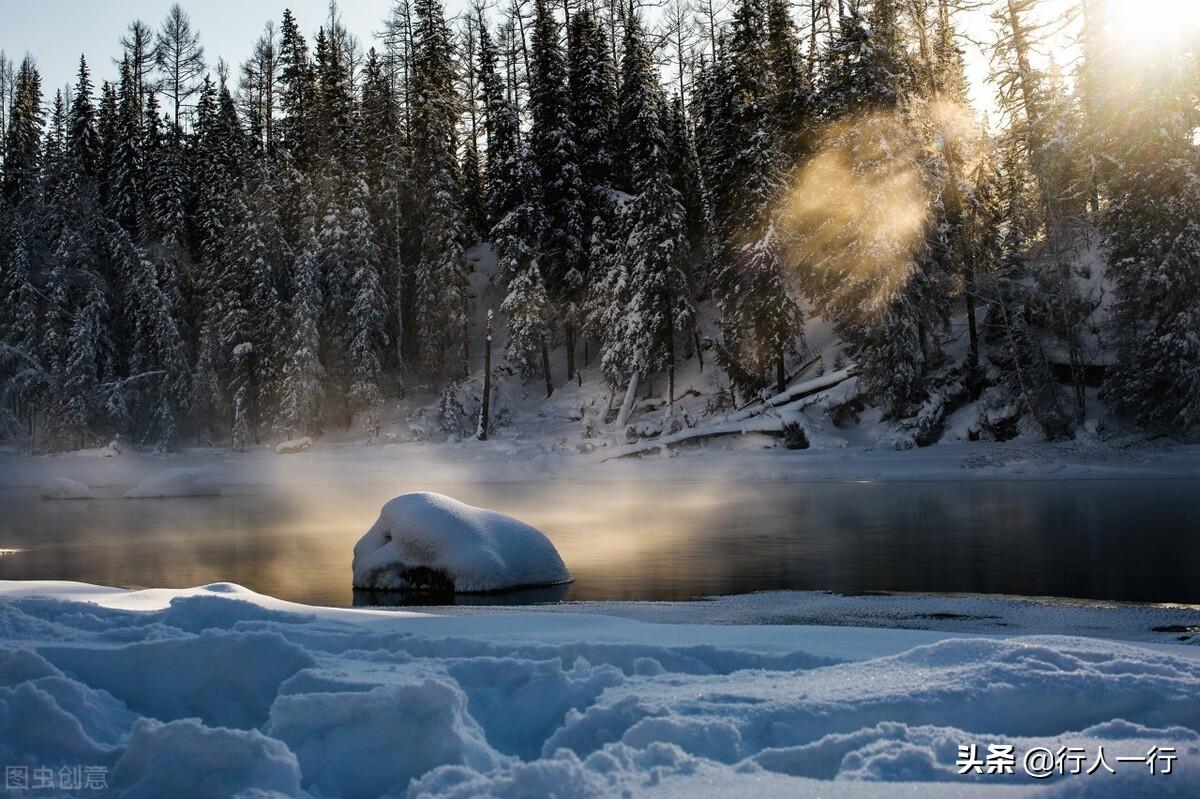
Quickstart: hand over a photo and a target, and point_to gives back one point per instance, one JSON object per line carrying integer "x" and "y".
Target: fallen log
{"x": 750, "y": 420}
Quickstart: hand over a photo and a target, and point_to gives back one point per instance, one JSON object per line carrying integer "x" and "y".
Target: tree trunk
{"x": 485, "y": 407}
{"x": 972, "y": 331}
{"x": 570, "y": 352}
{"x": 627, "y": 405}
{"x": 780, "y": 373}
{"x": 546, "y": 368}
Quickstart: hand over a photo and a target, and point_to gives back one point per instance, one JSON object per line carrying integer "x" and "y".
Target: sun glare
{"x": 1148, "y": 24}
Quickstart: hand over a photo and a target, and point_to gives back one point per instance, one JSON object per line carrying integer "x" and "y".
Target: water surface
{"x": 1135, "y": 540}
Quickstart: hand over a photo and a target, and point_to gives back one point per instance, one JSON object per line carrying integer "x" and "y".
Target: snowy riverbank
{"x": 217, "y": 691}
{"x": 741, "y": 458}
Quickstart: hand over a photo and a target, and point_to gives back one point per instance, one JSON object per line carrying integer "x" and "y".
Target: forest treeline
{"x": 196, "y": 254}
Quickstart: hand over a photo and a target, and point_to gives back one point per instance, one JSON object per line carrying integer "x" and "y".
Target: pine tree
{"x": 869, "y": 241}
{"x": 517, "y": 240}
{"x": 23, "y": 140}
{"x": 366, "y": 333}
{"x": 106, "y": 126}
{"x": 474, "y": 196}
{"x": 242, "y": 434}
{"x": 1015, "y": 299}
{"x": 503, "y": 133}
{"x": 83, "y": 141}
{"x": 249, "y": 296}
{"x": 157, "y": 360}
{"x": 760, "y": 320}
{"x": 791, "y": 97}
{"x": 126, "y": 186}
{"x": 1152, "y": 223}
{"x": 440, "y": 285}
{"x": 81, "y": 372}
{"x": 654, "y": 297}
{"x": 685, "y": 171}
{"x": 302, "y": 382}
{"x": 296, "y": 89}
{"x": 592, "y": 93}
{"x": 552, "y": 144}
{"x": 206, "y": 400}
{"x": 55, "y": 164}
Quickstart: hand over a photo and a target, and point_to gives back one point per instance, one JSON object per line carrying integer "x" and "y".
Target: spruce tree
{"x": 517, "y": 239}
{"x": 552, "y": 144}
{"x": 654, "y": 297}
{"x": 1152, "y": 225}
{"x": 760, "y": 320}
{"x": 303, "y": 375}
{"x": 440, "y": 272}
{"x": 83, "y": 139}
{"x": 23, "y": 140}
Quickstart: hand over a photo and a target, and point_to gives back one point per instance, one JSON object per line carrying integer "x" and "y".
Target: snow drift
{"x": 178, "y": 482}
{"x": 361, "y": 703}
{"x": 65, "y": 488}
{"x": 426, "y": 540}
{"x": 293, "y": 446}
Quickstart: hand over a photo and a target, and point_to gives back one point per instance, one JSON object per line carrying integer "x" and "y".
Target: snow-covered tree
{"x": 1152, "y": 223}
{"x": 302, "y": 382}
{"x": 440, "y": 272}
{"x": 552, "y": 144}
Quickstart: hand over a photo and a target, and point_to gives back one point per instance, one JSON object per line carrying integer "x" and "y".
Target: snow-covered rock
{"x": 177, "y": 482}
{"x": 429, "y": 540}
{"x": 293, "y": 446}
{"x": 65, "y": 488}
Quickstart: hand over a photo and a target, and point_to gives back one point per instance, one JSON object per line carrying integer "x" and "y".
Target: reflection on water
{"x": 542, "y": 595}
{"x": 1121, "y": 540}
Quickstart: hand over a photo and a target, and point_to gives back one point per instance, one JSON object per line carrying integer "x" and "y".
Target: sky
{"x": 55, "y": 32}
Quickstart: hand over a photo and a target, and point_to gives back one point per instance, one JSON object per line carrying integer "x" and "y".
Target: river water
{"x": 1133, "y": 540}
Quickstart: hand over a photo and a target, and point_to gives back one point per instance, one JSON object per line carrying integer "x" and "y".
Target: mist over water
{"x": 650, "y": 540}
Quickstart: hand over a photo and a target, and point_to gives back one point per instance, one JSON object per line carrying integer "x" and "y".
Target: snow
{"x": 523, "y": 702}
{"x": 65, "y": 488}
{"x": 294, "y": 445}
{"x": 422, "y": 537}
{"x": 177, "y": 482}
{"x": 187, "y": 758}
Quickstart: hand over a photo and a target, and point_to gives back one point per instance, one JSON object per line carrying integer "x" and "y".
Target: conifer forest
{"x": 774, "y": 194}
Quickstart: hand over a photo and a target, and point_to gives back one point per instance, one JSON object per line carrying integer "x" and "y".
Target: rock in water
{"x": 425, "y": 540}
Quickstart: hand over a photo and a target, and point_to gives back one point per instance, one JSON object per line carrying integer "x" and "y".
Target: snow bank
{"x": 220, "y": 693}
{"x": 186, "y": 758}
{"x": 65, "y": 488}
{"x": 425, "y": 540}
{"x": 372, "y": 744}
{"x": 178, "y": 482}
{"x": 293, "y": 446}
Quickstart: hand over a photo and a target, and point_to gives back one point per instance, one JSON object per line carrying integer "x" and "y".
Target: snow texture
{"x": 177, "y": 482}
{"x": 292, "y": 446}
{"x": 347, "y": 703}
{"x": 65, "y": 488}
{"x": 426, "y": 540}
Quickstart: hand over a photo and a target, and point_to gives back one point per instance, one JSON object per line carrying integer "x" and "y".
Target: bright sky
{"x": 57, "y": 31}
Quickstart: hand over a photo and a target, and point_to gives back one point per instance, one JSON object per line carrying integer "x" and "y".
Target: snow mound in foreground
{"x": 426, "y": 540}
{"x": 178, "y": 482}
{"x": 65, "y": 488}
{"x": 356, "y": 703}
